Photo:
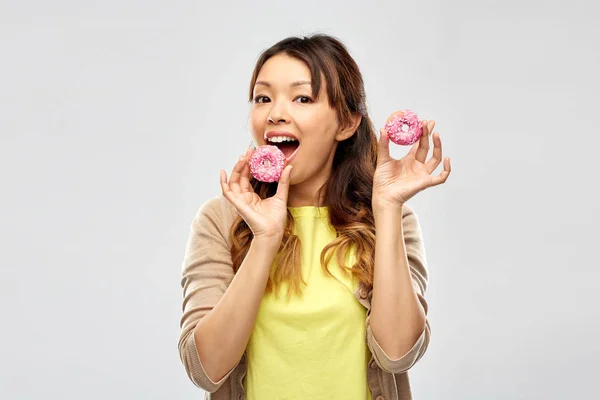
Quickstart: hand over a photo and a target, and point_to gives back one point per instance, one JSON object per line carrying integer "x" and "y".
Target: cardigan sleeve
{"x": 207, "y": 271}
{"x": 417, "y": 262}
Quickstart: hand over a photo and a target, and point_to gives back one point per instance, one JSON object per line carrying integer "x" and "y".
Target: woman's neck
{"x": 305, "y": 194}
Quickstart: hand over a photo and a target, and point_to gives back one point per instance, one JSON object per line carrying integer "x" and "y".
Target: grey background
{"x": 115, "y": 118}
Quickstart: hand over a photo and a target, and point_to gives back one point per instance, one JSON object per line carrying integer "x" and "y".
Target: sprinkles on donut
{"x": 404, "y": 128}
{"x": 267, "y": 163}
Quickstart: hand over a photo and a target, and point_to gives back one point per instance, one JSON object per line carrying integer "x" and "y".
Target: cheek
{"x": 320, "y": 133}
{"x": 256, "y": 125}
{"x": 317, "y": 146}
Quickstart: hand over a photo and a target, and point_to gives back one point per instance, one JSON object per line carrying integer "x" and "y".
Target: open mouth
{"x": 288, "y": 148}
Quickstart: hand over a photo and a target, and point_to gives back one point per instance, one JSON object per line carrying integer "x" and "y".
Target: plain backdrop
{"x": 116, "y": 117}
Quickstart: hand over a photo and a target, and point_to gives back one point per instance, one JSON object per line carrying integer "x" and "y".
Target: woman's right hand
{"x": 266, "y": 218}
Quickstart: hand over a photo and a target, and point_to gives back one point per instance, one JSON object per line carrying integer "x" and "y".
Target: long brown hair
{"x": 347, "y": 193}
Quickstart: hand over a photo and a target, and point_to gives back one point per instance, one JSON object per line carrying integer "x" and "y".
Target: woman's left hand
{"x": 396, "y": 181}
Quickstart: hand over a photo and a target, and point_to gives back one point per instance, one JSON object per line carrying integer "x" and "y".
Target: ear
{"x": 349, "y": 130}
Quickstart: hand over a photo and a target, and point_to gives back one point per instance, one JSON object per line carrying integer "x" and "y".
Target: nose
{"x": 278, "y": 113}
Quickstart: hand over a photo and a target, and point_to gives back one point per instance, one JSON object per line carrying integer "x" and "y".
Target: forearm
{"x": 397, "y": 317}
{"x": 222, "y": 335}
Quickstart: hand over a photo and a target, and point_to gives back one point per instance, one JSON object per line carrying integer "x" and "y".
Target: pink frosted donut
{"x": 266, "y": 163}
{"x": 404, "y": 128}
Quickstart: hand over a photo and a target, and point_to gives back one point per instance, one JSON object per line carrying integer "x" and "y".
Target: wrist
{"x": 386, "y": 208}
{"x": 267, "y": 243}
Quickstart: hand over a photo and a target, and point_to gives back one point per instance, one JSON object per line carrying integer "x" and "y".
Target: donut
{"x": 266, "y": 163}
{"x": 404, "y": 128}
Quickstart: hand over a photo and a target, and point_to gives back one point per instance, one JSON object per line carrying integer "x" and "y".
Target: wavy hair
{"x": 348, "y": 191}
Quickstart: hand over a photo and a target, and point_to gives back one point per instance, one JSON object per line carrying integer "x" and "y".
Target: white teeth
{"x": 279, "y": 139}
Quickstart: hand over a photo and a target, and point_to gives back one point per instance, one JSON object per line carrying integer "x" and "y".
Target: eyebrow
{"x": 293, "y": 84}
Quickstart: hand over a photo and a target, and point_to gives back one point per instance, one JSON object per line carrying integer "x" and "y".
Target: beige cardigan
{"x": 207, "y": 272}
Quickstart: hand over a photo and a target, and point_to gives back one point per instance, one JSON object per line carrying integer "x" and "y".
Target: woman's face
{"x": 283, "y": 103}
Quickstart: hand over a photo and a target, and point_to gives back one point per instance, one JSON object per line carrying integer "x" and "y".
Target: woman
{"x": 288, "y": 292}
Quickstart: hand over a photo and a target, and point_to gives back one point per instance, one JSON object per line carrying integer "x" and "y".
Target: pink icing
{"x": 404, "y": 128}
{"x": 266, "y": 163}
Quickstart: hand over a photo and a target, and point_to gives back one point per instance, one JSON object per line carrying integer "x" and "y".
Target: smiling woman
{"x": 287, "y": 291}
{"x": 287, "y": 101}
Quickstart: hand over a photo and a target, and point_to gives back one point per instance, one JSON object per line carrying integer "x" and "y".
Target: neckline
{"x": 309, "y": 211}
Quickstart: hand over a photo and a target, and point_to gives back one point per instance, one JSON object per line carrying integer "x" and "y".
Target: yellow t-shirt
{"x": 313, "y": 347}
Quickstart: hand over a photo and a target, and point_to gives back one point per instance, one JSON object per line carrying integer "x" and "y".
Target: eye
{"x": 308, "y": 99}
{"x": 260, "y": 99}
